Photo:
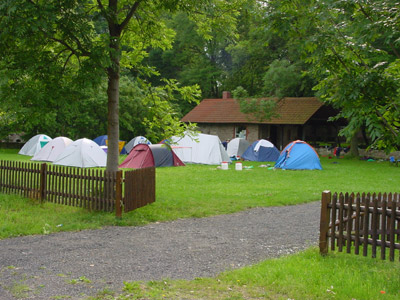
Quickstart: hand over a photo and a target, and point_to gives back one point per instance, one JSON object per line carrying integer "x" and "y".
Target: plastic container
{"x": 238, "y": 166}
{"x": 224, "y": 165}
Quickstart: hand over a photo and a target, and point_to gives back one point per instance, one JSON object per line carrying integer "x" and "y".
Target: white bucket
{"x": 224, "y": 165}
{"x": 238, "y": 166}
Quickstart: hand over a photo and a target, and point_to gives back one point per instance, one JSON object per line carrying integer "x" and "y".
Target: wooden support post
{"x": 324, "y": 223}
{"x": 118, "y": 195}
{"x": 42, "y": 184}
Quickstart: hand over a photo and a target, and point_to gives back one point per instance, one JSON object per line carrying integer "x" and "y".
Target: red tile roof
{"x": 290, "y": 111}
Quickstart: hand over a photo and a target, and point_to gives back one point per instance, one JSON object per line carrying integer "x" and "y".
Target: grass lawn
{"x": 199, "y": 191}
{"x": 305, "y": 275}
{"x": 202, "y": 190}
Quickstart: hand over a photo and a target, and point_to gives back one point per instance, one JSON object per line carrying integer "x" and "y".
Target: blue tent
{"x": 261, "y": 150}
{"x": 101, "y": 141}
{"x": 298, "y": 155}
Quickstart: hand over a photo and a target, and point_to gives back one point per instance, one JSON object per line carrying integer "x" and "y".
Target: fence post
{"x": 324, "y": 223}
{"x": 42, "y": 186}
{"x": 118, "y": 195}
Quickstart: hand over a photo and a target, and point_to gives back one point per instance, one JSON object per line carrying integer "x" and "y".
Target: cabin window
{"x": 240, "y": 132}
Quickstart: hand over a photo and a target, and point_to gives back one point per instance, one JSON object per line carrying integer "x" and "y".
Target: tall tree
{"x": 353, "y": 50}
{"x": 88, "y": 40}
{"x": 196, "y": 58}
{"x": 264, "y": 62}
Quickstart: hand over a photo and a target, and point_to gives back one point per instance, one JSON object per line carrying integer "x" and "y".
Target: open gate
{"x": 140, "y": 188}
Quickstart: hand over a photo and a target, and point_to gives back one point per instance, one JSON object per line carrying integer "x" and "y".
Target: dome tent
{"x": 237, "y": 147}
{"x": 261, "y": 150}
{"x": 102, "y": 140}
{"x": 298, "y": 155}
{"x": 135, "y": 141}
{"x": 144, "y": 156}
{"x": 82, "y": 153}
{"x": 52, "y": 149}
{"x": 34, "y": 145}
{"x": 199, "y": 149}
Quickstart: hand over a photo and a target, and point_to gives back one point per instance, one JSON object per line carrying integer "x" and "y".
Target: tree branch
{"x": 385, "y": 122}
{"x": 364, "y": 12}
{"x": 369, "y": 17}
{"x": 67, "y": 60}
{"x": 129, "y": 15}
{"x": 103, "y": 10}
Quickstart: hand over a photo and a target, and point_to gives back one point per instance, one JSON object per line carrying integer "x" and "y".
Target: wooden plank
{"x": 7, "y": 179}
{"x": 324, "y": 223}
{"x": 96, "y": 193}
{"x": 383, "y": 228}
{"x": 42, "y": 182}
{"x": 392, "y": 229}
{"x": 357, "y": 225}
{"x": 374, "y": 225}
{"x": 341, "y": 217}
{"x": 13, "y": 178}
{"x": 333, "y": 222}
{"x": 69, "y": 184}
{"x": 118, "y": 194}
{"x": 85, "y": 189}
{"x": 389, "y": 206}
{"x": 25, "y": 180}
{"x": 73, "y": 186}
{"x": 349, "y": 213}
{"x": 365, "y": 226}
{"x": 80, "y": 187}
{"x": 92, "y": 202}
{"x": 53, "y": 184}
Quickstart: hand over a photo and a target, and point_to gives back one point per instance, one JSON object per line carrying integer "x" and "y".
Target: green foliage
{"x": 351, "y": 47}
{"x": 198, "y": 55}
{"x": 153, "y": 111}
{"x": 56, "y": 54}
{"x": 282, "y": 79}
{"x": 258, "y": 48}
{"x": 259, "y": 110}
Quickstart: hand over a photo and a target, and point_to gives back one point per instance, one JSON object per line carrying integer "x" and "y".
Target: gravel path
{"x": 46, "y": 266}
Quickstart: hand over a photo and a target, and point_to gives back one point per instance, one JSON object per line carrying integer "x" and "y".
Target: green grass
{"x": 200, "y": 191}
{"x": 306, "y": 275}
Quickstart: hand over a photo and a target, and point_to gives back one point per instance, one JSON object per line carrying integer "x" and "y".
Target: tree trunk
{"x": 354, "y": 145}
{"x": 113, "y": 98}
{"x": 113, "y": 119}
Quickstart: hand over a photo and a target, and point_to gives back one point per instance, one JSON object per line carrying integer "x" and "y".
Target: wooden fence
{"x": 93, "y": 189}
{"x": 360, "y": 221}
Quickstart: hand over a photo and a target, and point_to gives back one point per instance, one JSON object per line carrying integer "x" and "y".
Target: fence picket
{"x": 341, "y": 218}
{"x": 376, "y": 220}
{"x": 366, "y": 225}
{"x": 374, "y": 225}
{"x": 87, "y": 188}
{"x": 383, "y": 229}
{"x": 357, "y": 224}
{"x": 392, "y": 228}
{"x": 349, "y": 227}
{"x": 334, "y": 205}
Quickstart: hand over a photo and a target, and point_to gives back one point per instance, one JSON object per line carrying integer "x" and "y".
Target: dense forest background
{"x": 345, "y": 52}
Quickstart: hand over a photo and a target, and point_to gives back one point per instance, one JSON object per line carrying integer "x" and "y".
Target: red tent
{"x": 144, "y": 156}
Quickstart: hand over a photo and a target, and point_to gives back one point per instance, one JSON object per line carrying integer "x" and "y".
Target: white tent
{"x": 200, "y": 149}
{"x": 82, "y": 153}
{"x": 52, "y": 149}
{"x": 135, "y": 141}
{"x": 237, "y": 146}
{"x": 34, "y": 144}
